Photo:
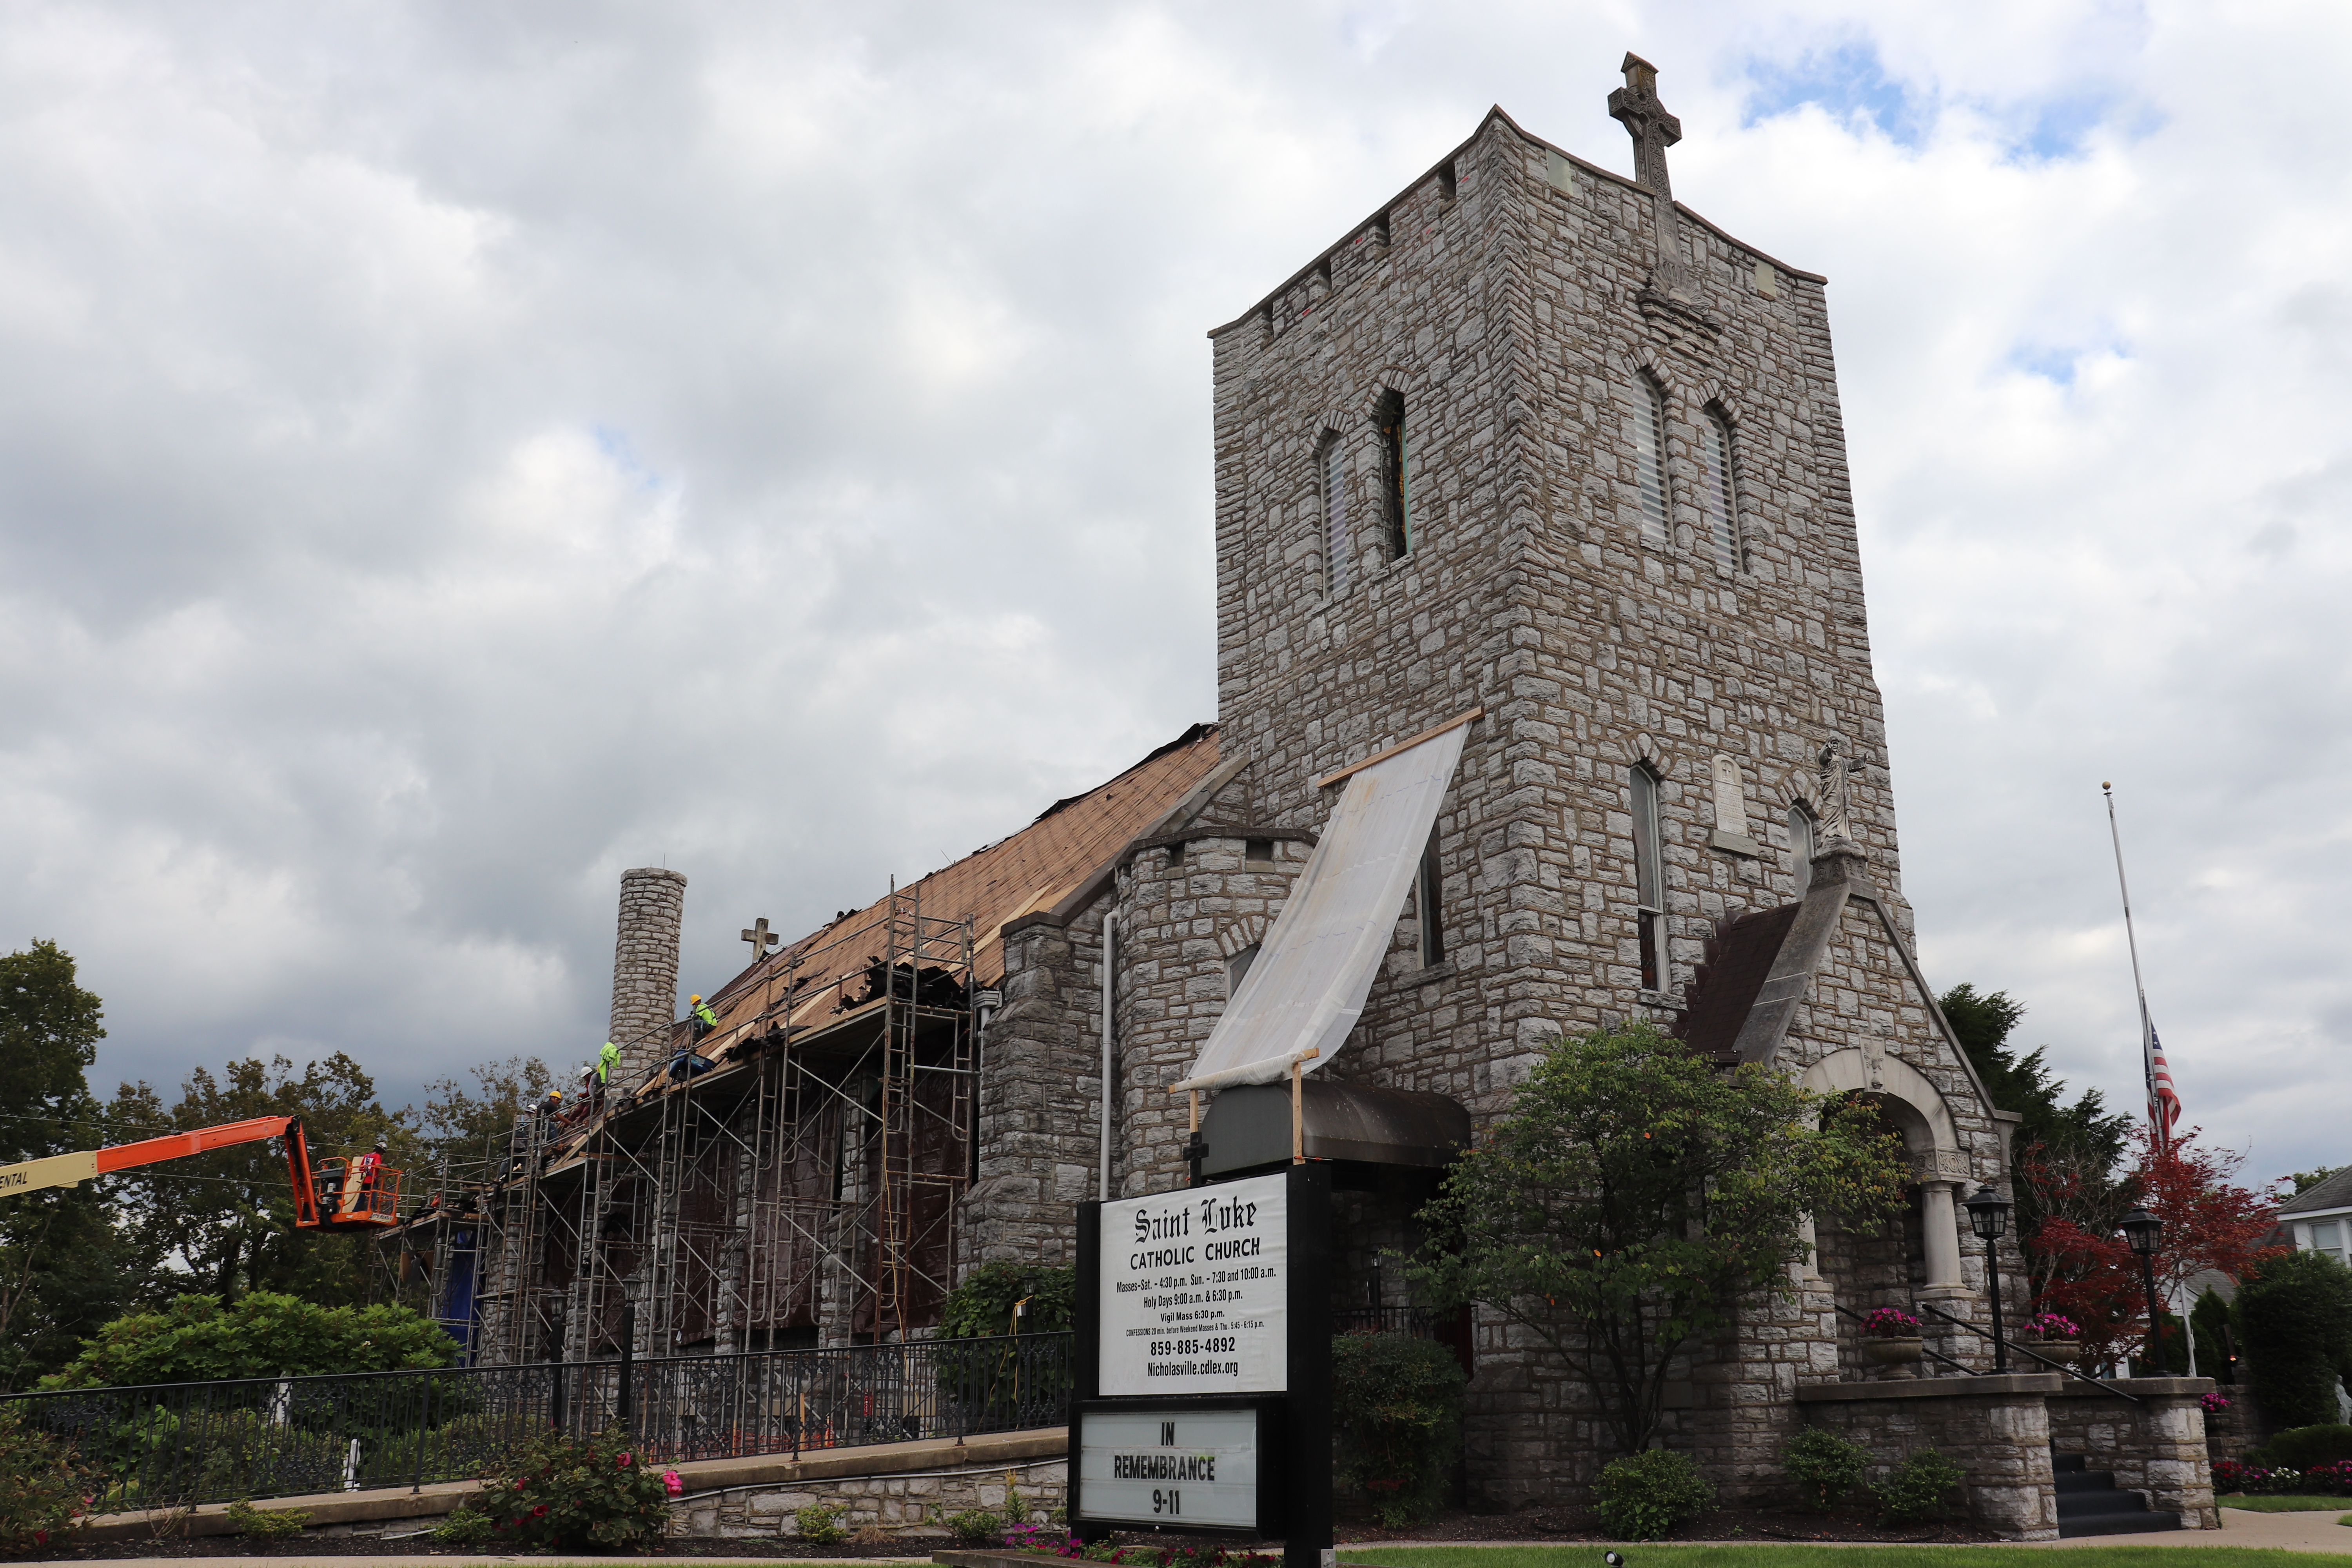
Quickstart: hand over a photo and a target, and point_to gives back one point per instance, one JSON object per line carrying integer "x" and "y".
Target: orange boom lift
{"x": 336, "y": 1197}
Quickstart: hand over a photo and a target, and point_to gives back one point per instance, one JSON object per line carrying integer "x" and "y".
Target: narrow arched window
{"x": 1332, "y": 470}
{"x": 1800, "y": 847}
{"x": 1429, "y": 903}
{"x": 1718, "y": 497}
{"x": 1649, "y": 879}
{"x": 1396, "y": 485}
{"x": 1648, "y": 423}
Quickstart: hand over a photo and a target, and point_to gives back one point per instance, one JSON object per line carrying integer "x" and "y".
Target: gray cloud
{"x": 449, "y": 454}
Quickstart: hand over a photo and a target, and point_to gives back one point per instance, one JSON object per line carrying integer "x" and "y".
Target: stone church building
{"x": 1533, "y": 457}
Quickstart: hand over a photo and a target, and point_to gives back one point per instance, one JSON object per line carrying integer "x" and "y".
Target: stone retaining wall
{"x": 2156, "y": 1446}
{"x": 905, "y": 1506}
{"x": 1997, "y": 1429}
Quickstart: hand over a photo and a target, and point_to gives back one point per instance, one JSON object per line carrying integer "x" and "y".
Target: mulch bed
{"x": 1526, "y": 1525}
{"x": 707, "y": 1546}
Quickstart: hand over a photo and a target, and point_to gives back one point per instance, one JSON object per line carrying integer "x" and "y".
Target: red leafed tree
{"x": 2209, "y": 1223}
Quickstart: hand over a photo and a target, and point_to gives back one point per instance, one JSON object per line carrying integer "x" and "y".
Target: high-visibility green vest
{"x": 606, "y": 1059}
{"x": 702, "y": 1011}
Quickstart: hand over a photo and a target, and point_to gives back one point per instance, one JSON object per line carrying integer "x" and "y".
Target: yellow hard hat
{"x": 695, "y": 998}
{"x": 556, "y": 1093}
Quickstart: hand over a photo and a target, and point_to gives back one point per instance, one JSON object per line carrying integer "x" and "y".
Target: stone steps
{"x": 2090, "y": 1504}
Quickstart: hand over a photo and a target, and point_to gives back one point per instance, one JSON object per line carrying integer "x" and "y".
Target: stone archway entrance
{"x": 1915, "y": 1256}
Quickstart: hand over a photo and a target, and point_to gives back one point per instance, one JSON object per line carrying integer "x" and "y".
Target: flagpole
{"x": 2146, "y": 1047}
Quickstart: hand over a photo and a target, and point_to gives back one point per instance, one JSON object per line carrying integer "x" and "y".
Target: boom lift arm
{"x": 350, "y": 1204}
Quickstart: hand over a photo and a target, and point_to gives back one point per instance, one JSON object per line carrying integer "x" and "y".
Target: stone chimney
{"x": 645, "y": 965}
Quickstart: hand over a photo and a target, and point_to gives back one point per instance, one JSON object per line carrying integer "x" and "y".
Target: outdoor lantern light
{"x": 1989, "y": 1215}
{"x": 2143, "y": 1231}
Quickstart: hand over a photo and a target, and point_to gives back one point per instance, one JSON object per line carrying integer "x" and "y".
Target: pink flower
{"x": 538, "y": 1513}
{"x": 622, "y": 1461}
{"x": 674, "y": 1481}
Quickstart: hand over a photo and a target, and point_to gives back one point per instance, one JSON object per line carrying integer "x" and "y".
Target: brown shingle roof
{"x": 1034, "y": 869}
{"x": 1735, "y": 963}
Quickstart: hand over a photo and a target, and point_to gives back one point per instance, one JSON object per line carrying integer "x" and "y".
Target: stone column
{"x": 644, "y": 966}
{"x": 1939, "y": 1227}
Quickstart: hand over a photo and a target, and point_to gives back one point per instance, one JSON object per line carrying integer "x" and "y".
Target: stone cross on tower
{"x": 1636, "y": 107}
{"x": 760, "y": 938}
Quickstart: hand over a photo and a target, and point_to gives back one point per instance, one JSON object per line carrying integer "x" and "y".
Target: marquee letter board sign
{"x": 1205, "y": 1364}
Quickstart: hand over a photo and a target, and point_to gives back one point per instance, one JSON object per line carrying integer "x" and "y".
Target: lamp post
{"x": 1989, "y": 1217}
{"x": 2144, "y": 1231}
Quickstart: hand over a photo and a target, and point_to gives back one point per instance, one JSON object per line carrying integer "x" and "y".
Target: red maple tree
{"x": 2210, "y": 1222}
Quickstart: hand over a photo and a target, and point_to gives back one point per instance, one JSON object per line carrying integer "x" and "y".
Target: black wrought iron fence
{"x": 169, "y": 1445}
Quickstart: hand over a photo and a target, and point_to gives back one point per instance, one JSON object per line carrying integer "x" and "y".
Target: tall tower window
{"x": 1649, "y": 423}
{"x": 1429, "y": 901}
{"x": 1801, "y": 847}
{"x": 1716, "y": 497}
{"x": 1396, "y": 485}
{"x": 1333, "y": 471}
{"x": 1649, "y": 879}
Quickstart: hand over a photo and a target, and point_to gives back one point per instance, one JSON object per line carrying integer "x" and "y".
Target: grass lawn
{"x": 2282, "y": 1504}
{"x": 1667, "y": 1556}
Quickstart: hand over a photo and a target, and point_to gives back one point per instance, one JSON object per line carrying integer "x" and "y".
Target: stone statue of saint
{"x": 1834, "y": 772}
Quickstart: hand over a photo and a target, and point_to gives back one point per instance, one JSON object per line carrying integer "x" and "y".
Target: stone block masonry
{"x": 2156, "y": 1446}
{"x": 1996, "y": 1429}
{"x": 645, "y": 965}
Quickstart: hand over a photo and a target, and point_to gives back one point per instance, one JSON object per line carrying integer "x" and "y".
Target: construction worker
{"x": 688, "y": 1065}
{"x": 606, "y": 1060}
{"x": 371, "y": 1167}
{"x": 700, "y": 1018}
{"x": 553, "y": 1106}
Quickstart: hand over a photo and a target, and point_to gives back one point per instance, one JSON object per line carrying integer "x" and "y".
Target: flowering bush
{"x": 561, "y": 1491}
{"x": 42, "y": 1489}
{"x": 1891, "y": 1323}
{"x": 2333, "y": 1480}
{"x": 2051, "y": 1326}
{"x": 1036, "y": 1537}
{"x": 2214, "y": 1404}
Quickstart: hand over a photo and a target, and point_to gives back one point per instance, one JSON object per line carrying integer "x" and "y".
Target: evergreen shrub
{"x": 1650, "y": 1495}
{"x": 1920, "y": 1487}
{"x": 561, "y": 1491}
{"x": 2294, "y": 1325}
{"x": 1825, "y": 1466}
{"x": 264, "y": 1524}
{"x": 1396, "y": 1408}
{"x": 820, "y": 1524}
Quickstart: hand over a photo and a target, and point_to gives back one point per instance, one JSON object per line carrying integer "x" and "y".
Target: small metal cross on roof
{"x": 760, "y": 938}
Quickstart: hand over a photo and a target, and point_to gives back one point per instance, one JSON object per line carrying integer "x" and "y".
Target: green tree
{"x": 61, "y": 1269}
{"x": 464, "y": 1131}
{"x": 2293, "y": 1312}
{"x": 224, "y": 1221}
{"x": 197, "y": 1338}
{"x": 2305, "y": 1180}
{"x": 2064, "y": 1156}
{"x": 1636, "y": 1195}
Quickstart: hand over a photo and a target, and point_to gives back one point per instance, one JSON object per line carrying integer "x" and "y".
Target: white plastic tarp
{"x": 1307, "y": 988}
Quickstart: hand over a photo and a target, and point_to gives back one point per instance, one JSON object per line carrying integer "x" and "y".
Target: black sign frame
{"x": 1295, "y": 1425}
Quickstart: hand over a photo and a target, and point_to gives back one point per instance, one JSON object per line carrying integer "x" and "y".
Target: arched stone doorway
{"x": 1916, "y": 1255}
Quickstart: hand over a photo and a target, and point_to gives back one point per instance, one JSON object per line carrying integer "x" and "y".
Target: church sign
{"x": 1205, "y": 1364}
{"x": 1194, "y": 1291}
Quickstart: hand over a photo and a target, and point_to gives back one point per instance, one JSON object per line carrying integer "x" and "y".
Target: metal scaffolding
{"x": 802, "y": 1191}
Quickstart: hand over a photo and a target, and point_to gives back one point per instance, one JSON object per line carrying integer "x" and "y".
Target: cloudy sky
{"x": 450, "y": 453}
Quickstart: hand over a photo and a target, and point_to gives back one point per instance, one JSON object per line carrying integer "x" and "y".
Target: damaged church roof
{"x": 1072, "y": 843}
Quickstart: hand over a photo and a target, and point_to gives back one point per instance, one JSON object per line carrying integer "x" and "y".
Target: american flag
{"x": 2163, "y": 1103}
